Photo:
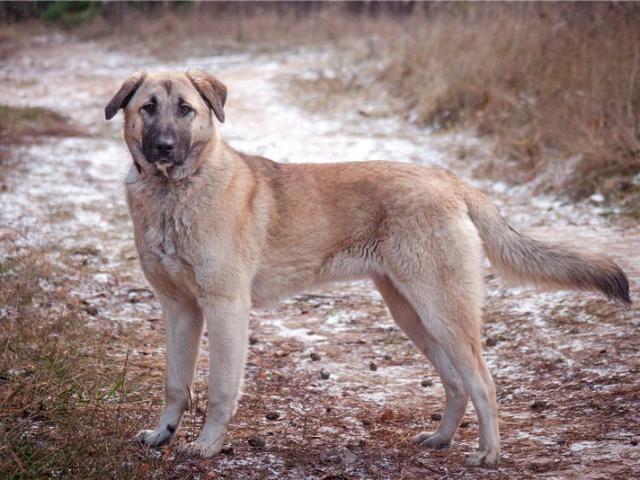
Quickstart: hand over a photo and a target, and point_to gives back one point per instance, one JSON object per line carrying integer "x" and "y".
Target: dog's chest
{"x": 161, "y": 235}
{"x": 163, "y": 254}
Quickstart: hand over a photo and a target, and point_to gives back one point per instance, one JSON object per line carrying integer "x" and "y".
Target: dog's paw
{"x": 201, "y": 448}
{"x": 431, "y": 440}
{"x": 154, "y": 438}
{"x": 487, "y": 456}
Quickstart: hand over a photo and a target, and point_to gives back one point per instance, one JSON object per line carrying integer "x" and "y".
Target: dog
{"x": 218, "y": 232}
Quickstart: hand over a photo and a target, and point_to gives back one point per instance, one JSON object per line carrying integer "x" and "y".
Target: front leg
{"x": 183, "y": 323}
{"x": 227, "y": 325}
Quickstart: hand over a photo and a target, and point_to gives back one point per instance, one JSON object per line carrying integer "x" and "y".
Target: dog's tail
{"x": 525, "y": 260}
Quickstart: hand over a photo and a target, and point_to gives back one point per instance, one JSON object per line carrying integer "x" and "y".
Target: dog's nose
{"x": 164, "y": 146}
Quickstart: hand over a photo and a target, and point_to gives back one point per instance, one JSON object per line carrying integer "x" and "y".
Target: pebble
{"x": 436, "y": 417}
{"x": 272, "y": 416}
{"x": 539, "y": 405}
{"x": 465, "y": 424}
{"x": 372, "y": 366}
{"x": 542, "y": 464}
{"x": 324, "y": 374}
{"x": 91, "y": 310}
{"x": 492, "y": 341}
{"x": 426, "y": 383}
{"x": 257, "y": 442}
{"x": 315, "y": 356}
{"x": 253, "y": 340}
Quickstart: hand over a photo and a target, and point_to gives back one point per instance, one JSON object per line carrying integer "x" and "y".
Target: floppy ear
{"x": 212, "y": 90}
{"x": 122, "y": 97}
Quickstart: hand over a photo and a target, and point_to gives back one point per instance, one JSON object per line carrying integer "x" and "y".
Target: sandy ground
{"x": 566, "y": 364}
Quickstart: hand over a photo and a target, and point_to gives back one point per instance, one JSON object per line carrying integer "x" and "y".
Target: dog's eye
{"x": 185, "y": 110}
{"x": 150, "y": 108}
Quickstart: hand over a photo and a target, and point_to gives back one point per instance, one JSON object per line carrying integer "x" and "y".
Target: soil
{"x": 333, "y": 390}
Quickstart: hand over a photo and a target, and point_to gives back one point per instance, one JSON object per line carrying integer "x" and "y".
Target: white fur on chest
{"x": 162, "y": 243}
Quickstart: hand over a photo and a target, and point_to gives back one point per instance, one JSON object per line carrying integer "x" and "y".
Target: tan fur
{"x": 227, "y": 231}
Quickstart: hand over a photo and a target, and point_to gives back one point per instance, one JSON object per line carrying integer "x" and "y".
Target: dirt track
{"x": 566, "y": 364}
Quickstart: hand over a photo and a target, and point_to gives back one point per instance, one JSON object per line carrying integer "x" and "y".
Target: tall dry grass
{"x": 557, "y": 85}
{"x": 70, "y": 399}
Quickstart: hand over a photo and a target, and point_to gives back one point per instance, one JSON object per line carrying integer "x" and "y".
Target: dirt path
{"x": 566, "y": 364}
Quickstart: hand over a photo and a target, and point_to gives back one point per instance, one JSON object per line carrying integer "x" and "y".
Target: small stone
{"x": 634, "y": 442}
{"x": 541, "y": 464}
{"x": 324, "y": 374}
{"x": 539, "y": 405}
{"x": 253, "y": 340}
{"x": 387, "y": 414}
{"x": 372, "y": 366}
{"x": 436, "y": 417}
{"x": 366, "y": 422}
{"x": 465, "y": 424}
{"x": 426, "y": 383}
{"x": 315, "y": 356}
{"x": 91, "y": 310}
{"x": 492, "y": 341}
{"x": 272, "y": 416}
{"x": 257, "y": 442}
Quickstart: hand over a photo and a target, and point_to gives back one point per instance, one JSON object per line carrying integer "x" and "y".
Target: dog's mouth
{"x": 164, "y": 167}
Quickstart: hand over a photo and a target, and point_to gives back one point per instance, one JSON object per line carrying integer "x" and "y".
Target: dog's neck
{"x": 210, "y": 176}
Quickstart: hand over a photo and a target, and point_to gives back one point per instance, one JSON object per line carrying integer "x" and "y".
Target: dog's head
{"x": 169, "y": 119}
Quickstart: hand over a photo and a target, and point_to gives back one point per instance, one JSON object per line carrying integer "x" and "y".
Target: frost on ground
{"x": 333, "y": 389}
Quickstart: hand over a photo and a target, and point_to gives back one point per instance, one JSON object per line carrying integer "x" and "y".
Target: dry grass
{"x": 207, "y": 30}
{"x": 19, "y": 123}
{"x": 557, "y": 85}
{"x": 67, "y": 409}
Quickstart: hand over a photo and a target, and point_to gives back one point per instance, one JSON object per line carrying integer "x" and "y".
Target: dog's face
{"x": 168, "y": 119}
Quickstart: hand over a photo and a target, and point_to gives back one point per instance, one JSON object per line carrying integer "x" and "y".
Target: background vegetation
{"x": 555, "y": 85}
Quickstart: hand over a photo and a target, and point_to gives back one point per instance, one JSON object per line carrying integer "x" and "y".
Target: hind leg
{"x": 437, "y": 267}
{"x": 454, "y": 326}
{"x": 456, "y": 397}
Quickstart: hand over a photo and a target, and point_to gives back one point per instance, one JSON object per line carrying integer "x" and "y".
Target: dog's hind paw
{"x": 201, "y": 449}
{"x": 487, "y": 456}
{"x": 431, "y": 440}
{"x": 154, "y": 438}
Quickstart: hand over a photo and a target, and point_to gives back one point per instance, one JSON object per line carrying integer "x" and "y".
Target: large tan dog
{"x": 218, "y": 232}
